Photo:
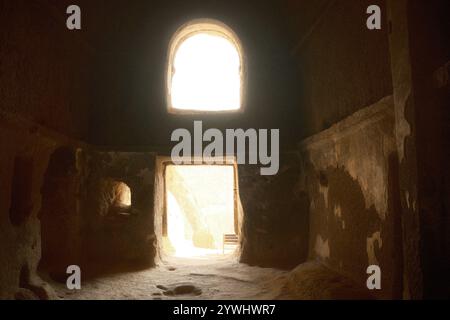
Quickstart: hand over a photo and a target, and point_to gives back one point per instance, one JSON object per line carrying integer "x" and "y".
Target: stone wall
{"x": 44, "y": 106}
{"x": 63, "y": 192}
{"x": 57, "y": 209}
{"x": 26, "y": 151}
{"x": 343, "y": 66}
{"x": 275, "y": 227}
{"x": 119, "y": 235}
{"x": 45, "y": 68}
{"x": 350, "y": 173}
{"x": 429, "y": 106}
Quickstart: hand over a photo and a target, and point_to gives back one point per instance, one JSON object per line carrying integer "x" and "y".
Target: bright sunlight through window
{"x": 205, "y": 70}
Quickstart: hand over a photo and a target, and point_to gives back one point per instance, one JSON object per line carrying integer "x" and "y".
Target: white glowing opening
{"x": 122, "y": 194}
{"x": 206, "y": 74}
{"x": 200, "y": 209}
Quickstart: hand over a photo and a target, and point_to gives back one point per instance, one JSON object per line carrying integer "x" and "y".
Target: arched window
{"x": 205, "y": 69}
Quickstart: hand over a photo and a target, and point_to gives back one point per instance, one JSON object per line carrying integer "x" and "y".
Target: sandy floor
{"x": 212, "y": 277}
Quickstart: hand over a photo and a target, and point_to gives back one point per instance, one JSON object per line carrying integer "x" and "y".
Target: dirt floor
{"x": 209, "y": 275}
{"x": 212, "y": 277}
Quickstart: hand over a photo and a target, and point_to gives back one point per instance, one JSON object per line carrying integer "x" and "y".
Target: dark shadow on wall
{"x": 59, "y": 215}
{"x": 276, "y": 216}
{"x": 21, "y": 190}
{"x": 394, "y": 227}
{"x": 430, "y": 61}
{"x": 349, "y": 223}
{"x": 356, "y": 234}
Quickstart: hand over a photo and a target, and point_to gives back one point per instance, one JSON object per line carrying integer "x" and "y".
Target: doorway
{"x": 200, "y": 210}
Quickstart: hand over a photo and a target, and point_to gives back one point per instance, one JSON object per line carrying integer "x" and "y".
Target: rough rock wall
{"x": 26, "y": 151}
{"x": 44, "y": 69}
{"x": 63, "y": 192}
{"x": 59, "y": 208}
{"x": 406, "y": 139}
{"x": 44, "y": 76}
{"x": 429, "y": 31}
{"x": 350, "y": 172}
{"x": 160, "y": 221}
{"x": 275, "y": 215}
{"x": 119, "y": 235}
{"x": 343, "y": 65}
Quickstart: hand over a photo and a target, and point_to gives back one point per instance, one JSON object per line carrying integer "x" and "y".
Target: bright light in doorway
{"x": 199, "y": 207}
{"x": 206, "y": 74}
